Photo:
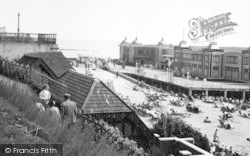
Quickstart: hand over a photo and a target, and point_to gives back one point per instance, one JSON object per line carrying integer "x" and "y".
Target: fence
{"x": 28, "y": 38}
{"x": 184, "y": 82}
{"x": 166, "y": 77}
{"x": 27, "y": 75}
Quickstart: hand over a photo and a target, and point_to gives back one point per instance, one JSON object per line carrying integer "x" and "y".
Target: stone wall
{"x": 13, "y": 50}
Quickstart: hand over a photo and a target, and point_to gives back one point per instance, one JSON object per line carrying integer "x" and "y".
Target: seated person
{"x": 228, "y": 126}
{"x": 45, "y": 95}
{"x": 215, "y": 105}
{"x": 172, "y": 110}
{"x": 206, "y": 120}
{"x": 245, "y": 115}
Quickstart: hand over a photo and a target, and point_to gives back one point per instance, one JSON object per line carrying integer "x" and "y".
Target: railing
{"x": 168, "y": 76}
{"x": 28, "y": 38}
{"x": 173, "y": 145}
{"x": 25, "y": 74}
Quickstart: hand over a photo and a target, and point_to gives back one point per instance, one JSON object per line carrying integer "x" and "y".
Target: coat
{"x": 69, "y": 111}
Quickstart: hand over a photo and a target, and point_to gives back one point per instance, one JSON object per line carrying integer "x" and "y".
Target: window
{"x": 246, "y": 60}
{"x": 205, "y": 70}
{"x": 126, "y": 52}
{"x": 216, "y": 71}
{"x": 199, "y": 70}
{"x": 177, "y": 55}
{"x": 206, "y": 58}
{"x": 216, "y": 68}
{"x": 216, "y": 59}
{"x": 188, "y": 56}
{"x": 232, "y": 59}
{"x": 140, "y": 52}
{"x": 197, "y": 57}
{"x": 245, "y": 74}
{"x": 184, "y": 56}
{"x": 194, "y": 68}
{"x": 164, "y": 51}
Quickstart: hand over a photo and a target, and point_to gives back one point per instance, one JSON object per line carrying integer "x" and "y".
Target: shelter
{"x": 45, "y": 65}
{"x": 52, "y": 63}
{"x": 97, "y": 100}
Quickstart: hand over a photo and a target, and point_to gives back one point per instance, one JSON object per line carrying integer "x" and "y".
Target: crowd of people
{"x": 64, "y": 113}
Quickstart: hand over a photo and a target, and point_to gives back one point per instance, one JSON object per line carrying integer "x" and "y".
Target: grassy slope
{"x": 19, "y": 113}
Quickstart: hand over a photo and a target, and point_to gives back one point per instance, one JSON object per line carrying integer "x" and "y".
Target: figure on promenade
{"x": 216, "y": 138}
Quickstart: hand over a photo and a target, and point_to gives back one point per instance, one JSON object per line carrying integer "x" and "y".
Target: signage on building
{"x": 211, "y": 28}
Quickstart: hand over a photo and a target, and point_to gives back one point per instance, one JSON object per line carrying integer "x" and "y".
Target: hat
{"x": 45, "y": 86}
{"x": 66, "y": 95}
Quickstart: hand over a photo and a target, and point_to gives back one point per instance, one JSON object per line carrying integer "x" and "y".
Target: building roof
{"x": 90, "y": 95}
{"x": 78, "y": 85}
{"x": 234, "y": 49}
{"x": 55, "y": 61}
{"x": 136, "y": 41}
{"x": 104, "y": 100}
{"x": 161, "y": 42}
{"x": 197, "y": 48}
{"x": 125, "y": 41}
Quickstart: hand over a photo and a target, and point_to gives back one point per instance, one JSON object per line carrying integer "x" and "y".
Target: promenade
{"x": 165, "y": 76}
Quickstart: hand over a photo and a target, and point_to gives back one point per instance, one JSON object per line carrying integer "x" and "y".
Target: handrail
{"x": 192, "y": 84}
{"x": 50, "y": 79}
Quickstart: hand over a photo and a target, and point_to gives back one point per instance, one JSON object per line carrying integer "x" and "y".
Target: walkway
{"x": 188, "y": 83}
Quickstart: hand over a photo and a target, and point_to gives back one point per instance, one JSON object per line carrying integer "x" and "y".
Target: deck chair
{"x": 222, "y": 123}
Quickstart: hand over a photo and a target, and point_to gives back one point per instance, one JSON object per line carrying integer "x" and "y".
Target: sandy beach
{"x": 235, "y": 137}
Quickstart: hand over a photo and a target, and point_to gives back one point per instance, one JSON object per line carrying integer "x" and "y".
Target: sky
{"x": 101, "y": 25}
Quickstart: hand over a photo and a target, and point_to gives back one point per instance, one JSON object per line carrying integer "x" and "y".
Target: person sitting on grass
{"x": 206, "y": 120}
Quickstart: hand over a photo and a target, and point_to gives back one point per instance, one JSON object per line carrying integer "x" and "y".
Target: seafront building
{"x": 212, "y": 62}
{"x": 159, "y": 55}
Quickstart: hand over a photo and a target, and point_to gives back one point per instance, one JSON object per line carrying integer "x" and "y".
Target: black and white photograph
{"x": 124, "y": 78}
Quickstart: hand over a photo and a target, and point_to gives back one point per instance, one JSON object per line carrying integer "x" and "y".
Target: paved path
{"x": 191, "y": 83}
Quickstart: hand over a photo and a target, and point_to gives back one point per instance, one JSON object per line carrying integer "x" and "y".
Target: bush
{"x": 178, "y": 128}
{"x": 83, "y": 139}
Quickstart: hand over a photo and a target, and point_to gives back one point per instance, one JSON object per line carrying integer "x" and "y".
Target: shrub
{"x": 178, "y": 128}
